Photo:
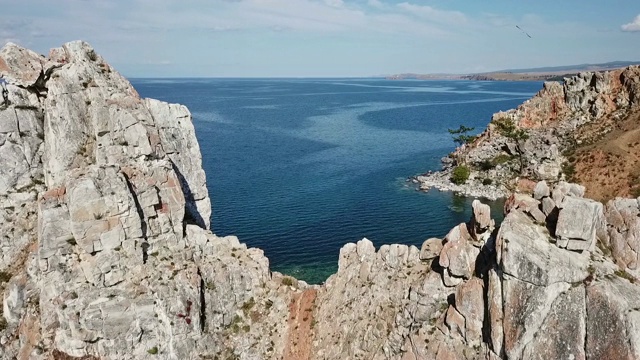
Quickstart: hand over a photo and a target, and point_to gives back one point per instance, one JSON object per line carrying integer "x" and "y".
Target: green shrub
{"x": 460, "y": 174}
{"x": 4, "y": 277}
{"x": 486, "y": 165}
{"x": 625, "y": 275}
{"x": 287, "y": 281}
{"x": 153, "y": 350}
{"x": 508, "y": 128}
{"x": 487, "y": 181}
{"x": 569, "y": 170}
{"x": 248, "y": 305}
{"x": 501, "y": 159}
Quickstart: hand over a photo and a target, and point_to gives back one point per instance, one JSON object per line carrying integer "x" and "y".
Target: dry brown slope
{"x": 300, "y": 336}
{"x": 610, "y": 166}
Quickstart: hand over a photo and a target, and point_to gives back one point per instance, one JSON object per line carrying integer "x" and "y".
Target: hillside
{"x": 607, "y": 161}
{"x": 612, "y": 65}
{"x": 584, "y": 129}
{"x": 550, "y": 73}
{"x": 107, "y": 251}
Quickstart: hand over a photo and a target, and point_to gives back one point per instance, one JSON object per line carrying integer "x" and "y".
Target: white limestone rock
{"x": 541, "y": 190}
{"x": 104, "y": 234}
{"x": 431, "y": 249}
{"x": 177, "y": 136}
{"x": 578, "y": 221}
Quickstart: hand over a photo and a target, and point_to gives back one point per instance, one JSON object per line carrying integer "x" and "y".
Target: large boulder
{"x": 613, "y": 318}
{"x": 537, "y": 293}
{"x": 623, "y": 230}
{"x": 458, "y": 256}
{"x": 578, "y": 222}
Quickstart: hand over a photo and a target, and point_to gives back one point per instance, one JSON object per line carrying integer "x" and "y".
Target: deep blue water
{"x": 299, "y": 167}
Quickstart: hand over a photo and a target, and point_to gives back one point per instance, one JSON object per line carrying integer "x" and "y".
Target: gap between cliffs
{"x": 301, "y": 324}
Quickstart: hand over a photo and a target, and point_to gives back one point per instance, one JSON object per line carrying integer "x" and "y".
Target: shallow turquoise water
{"x": 299, "y": 167}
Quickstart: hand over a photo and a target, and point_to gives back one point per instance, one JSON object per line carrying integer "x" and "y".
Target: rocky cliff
{"x": 586, "y": 123}
{"x": 106, "y": 252}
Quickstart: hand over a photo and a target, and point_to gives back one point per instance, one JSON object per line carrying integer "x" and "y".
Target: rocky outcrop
{"x": 106, "y": 252}
{"x": 559, "y": 119}
{"x": 105, "y": 233}
{"x": 623, "y": 227}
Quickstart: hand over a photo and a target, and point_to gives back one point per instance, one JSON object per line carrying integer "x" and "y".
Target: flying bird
{"x": 524, "y": 32}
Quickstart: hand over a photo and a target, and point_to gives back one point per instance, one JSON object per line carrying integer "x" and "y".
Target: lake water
{"x": 299, "y": 167}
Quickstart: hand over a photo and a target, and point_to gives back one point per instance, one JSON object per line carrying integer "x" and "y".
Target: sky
{"x": 328, "y": 38}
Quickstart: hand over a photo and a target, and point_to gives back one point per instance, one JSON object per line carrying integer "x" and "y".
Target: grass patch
{"x": 604, "y": 248}
{"x": 501, "y": 159}
{"x": 248, "y": 305}
{"x": 569, "y": 170}
{"x": 625, "y": 275}
{"x": 234, "y": 326}
{"x": 210, "y": 285}
{"x": 288, "y": 281}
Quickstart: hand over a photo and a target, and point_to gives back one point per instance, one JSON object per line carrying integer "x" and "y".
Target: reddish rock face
{"x": 624, "y": 231}
{"x": 611, "y": 320}
{"x": 458, "y": 255}
{"x": 546, "y": 106}
{"x": 470, "y": 304}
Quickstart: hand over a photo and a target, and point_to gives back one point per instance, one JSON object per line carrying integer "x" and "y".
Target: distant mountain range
{"x": 570, "y": 68}
{"x": 530, "y": 74}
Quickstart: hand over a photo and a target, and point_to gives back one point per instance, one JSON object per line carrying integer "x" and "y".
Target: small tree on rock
{"x": 461, "y": 135}
{"x": 507, "y": 128}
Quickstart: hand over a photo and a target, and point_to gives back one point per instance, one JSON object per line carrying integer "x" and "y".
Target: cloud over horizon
{"x": 322, "y": 37}
{"x": 633, "y": 26}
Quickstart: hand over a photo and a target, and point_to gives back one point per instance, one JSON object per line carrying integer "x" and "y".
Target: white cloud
{"x": 433, "y": 14}
{"x": 298, "y": 37}
{"x": 317, "y": 16}
{"x": 145, "y": 20}
{"x": 375, "y": 4}
{"x": 334, "y": 3}
{"x": 632, "y": 26}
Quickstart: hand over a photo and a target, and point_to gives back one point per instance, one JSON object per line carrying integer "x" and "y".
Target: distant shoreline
{"x": 497, "y": 76}
{"x": 557, "y": 73}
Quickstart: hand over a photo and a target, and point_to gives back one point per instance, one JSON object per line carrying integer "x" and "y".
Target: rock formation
{"x": 107, "y": 252}
{"x": 106, "y": 213}
{"x": 558, "y": 121}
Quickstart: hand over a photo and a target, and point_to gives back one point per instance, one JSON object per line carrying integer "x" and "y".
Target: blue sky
{"x": 269, "y": 38}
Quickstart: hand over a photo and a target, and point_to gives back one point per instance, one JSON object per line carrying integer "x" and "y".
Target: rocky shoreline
{"x": 538, "y": 140}
{"x": 440, "y": 180}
